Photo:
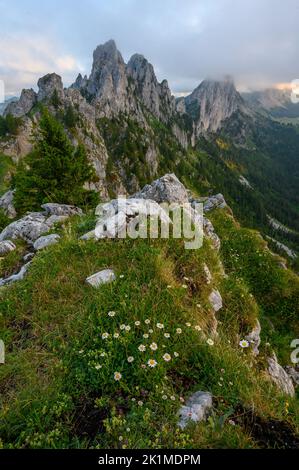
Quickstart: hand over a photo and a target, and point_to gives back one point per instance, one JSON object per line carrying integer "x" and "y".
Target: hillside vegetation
{"x": 65, "y": 341}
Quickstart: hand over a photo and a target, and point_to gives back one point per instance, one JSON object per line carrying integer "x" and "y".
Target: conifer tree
{"x": 55, "y": 171}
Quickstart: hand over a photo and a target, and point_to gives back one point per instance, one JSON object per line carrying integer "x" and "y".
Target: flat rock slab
{"x": 196, "y": 409}
{"x": 103, "y": 277}
{"x": 44, "y": 242}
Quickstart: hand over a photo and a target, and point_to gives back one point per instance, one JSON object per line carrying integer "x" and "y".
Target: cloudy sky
{"x": 255, "y": 41}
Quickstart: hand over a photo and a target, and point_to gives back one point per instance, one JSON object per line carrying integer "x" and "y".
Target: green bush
{"x": 9, "y": 125}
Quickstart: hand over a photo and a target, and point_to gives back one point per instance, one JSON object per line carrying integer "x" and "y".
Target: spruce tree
{"x": 55, "y": 171}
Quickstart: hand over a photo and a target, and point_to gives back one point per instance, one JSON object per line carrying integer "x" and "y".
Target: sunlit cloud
{"x": 24, "y": 60}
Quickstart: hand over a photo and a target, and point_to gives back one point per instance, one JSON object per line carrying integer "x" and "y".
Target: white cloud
{"x": 24, "y": 59}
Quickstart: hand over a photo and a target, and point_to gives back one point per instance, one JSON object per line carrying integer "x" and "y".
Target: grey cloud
{"x": 256, "y": 41}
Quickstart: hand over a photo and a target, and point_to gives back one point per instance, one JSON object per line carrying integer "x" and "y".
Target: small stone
{"x": 254, "y": 338}
{"x": 216, "y": 300}
{"x": 196, "y": 409}
{"x": 103, "y": 277}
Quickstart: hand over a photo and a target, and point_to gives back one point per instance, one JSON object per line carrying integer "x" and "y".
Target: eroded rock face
{"x": 211, "y": 103}
{"x": 155, "y": 96}
{"x": 43, "y": 242}
{"x": 280, "y": 377}
{"x": 48, "y": 85}
{"x": 20, "y": 145}
{"x": 196, "y": 409}
{"x": 214, "y": 202}
{"x": 21, "y": 107}
{"x": 6, "y": 203}
{"x": 6, "y": 247}
{"x": 294, "y": 374}
{"x": 166, "y": 189}
{"x": 103, "y": 277}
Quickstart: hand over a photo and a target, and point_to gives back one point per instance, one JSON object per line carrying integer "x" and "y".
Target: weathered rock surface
{"x": 122, "y": 216}
{"x": 103, "y": 277}
{"x": 44, "y": 242}
{"x": 211, "y": 234}
{"x": 211, "y": 103}
{"x": 214, "y": 202}
{"x": 279, "y": 376}
{"x": 6, "y": 204}
{"x": 293, "y": 373}
{"x": 196, "y": 409}
{"x": 15, "y": 277}
{"x": 156, "y": 96}
{"x": 6, "y": 247}
{"x": 29, "y": 228}
{"x": 166, "y": 189}
{"x": 21, "y": 107}
{"x": 61, "y": 209}
{"x": 254, "y": 338}
{"x": 32, "y": 226}
{"x": 48, "y": 85}
{"x": 216, "y": 300}
{"x": 20, "y": 145}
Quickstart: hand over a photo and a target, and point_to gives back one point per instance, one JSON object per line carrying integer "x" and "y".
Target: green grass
{"x": 58, "y": 387}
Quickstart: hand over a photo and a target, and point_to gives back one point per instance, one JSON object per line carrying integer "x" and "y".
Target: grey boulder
{"x": 214, "y": 202}
{"x": 103, "y": 277}
{"x": 45, "y": 241}
{"x": 166, "y": 189}
{"x": 279, "y": 376}
{"x": 61, "y": 209}
{"x": 29, "y": 228}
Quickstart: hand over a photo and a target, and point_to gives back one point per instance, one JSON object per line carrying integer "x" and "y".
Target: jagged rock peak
{"x": 141, "y": 70}
{"x": 212, "y": 102}
{"x": 156, "y": 96}
{"x": 47, "y": 85}
{"x": 80, "y": 83}
{"x": 108, "y": 72}
{"x": 21, "y": 107}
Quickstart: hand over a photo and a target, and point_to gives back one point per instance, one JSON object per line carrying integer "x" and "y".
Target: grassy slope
{"x": 58, "y": 387}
